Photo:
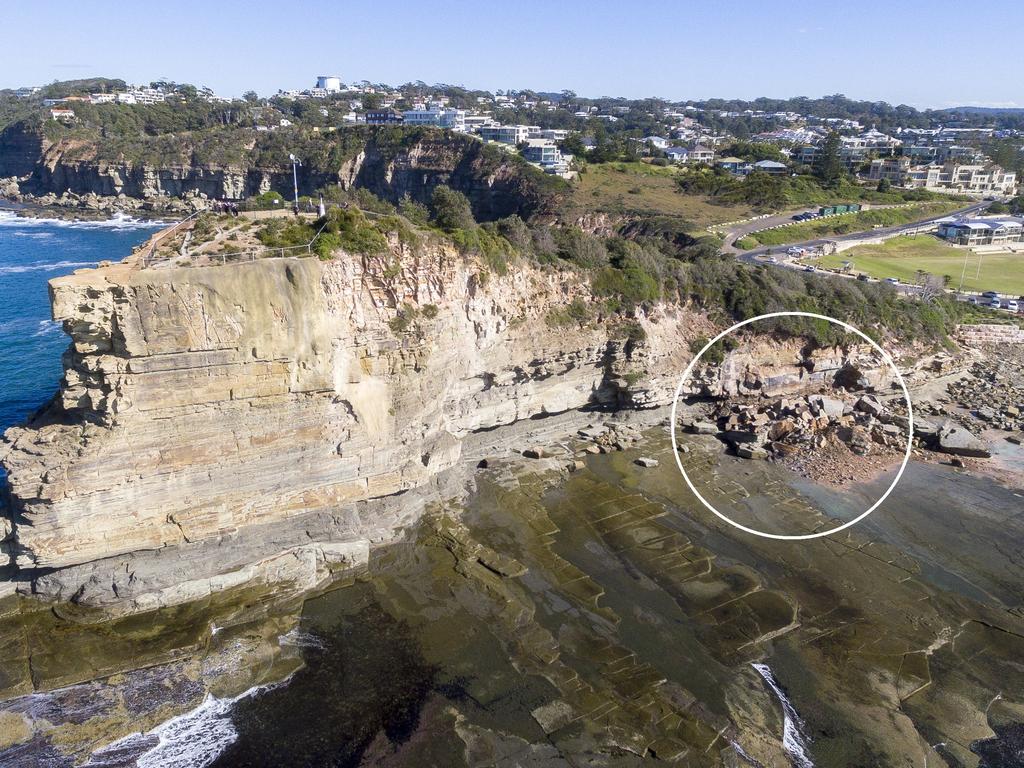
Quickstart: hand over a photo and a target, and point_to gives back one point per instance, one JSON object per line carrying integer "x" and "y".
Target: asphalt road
{"x": 757, "y": 255}
{"x": 762, "y": 255}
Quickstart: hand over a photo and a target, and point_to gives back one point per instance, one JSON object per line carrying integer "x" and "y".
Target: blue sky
{"x": 901, "y": 51}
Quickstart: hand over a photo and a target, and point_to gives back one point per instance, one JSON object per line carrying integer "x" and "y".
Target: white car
{"x": 794, "y": 251}
{"x": 972, "y": 299}
{"x": 994, "y": 304}
{"x": 892, "y": 280}
{"x": 1011, "y": 305}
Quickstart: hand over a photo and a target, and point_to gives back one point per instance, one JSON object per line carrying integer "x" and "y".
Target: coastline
{"x": 33, "y": 209}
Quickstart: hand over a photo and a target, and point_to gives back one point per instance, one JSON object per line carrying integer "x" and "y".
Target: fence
{"x": 264, "y": 252}
{"x": 149, "y": 257}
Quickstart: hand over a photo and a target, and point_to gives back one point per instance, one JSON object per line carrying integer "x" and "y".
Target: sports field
{"x": 901, "y": 257}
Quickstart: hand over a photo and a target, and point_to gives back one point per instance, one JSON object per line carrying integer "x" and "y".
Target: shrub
{"x": 451, "y": 210}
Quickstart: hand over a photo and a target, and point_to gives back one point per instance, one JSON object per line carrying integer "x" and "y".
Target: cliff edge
{"x": 210, "y": 417}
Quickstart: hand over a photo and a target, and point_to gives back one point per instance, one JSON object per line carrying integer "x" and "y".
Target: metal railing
{"x": 224, "y": 257}
{"x": 149, "y": 256}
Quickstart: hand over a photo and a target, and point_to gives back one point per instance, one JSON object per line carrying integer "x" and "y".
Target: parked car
{"x": 1011, "y": 305}
{"x": 862, "y": 277}
{"x": 892, "y": 280}
{"x": 972, "y": 299}
{"x": 795, "y": 251}
{"x": 994, "y": 303}
{"x": 808, "y": 268}
{"x": 990, "y": 295}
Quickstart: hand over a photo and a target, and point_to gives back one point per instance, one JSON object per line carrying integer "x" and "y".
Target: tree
{"x": 451, "y": 209}
{"x": 763, "y": 190}
{"x": 251, "y": 96}
{"x": 829, "y": 167}
{"x": 884, "y": 185}
{"x": 573, "y": 145}
{"x": 371, "y": 100}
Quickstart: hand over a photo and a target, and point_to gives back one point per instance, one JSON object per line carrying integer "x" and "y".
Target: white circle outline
{"x": 802, "y": 536}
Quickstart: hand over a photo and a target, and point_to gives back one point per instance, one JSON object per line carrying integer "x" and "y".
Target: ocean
{"x": 32, "y": 251}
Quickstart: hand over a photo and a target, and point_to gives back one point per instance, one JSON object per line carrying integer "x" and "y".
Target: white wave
{"x": 44, "y": 266}
{"x": 794, "y": 740}
{"x": 192, "y": 740}
{"x": 34, "y": 235}
{"x": 300, "y": 639}
{"x": 47, "y": 328}
{"x": 119, "y": 221}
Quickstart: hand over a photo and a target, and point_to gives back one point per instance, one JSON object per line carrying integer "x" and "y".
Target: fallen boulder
{"x": 956, "y": 440}
{"x": 701, "y": 428}
{"x": 751, "y": 452}
{"x": 644, "y": 461}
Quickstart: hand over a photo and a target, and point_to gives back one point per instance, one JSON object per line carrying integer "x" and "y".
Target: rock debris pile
{"x": 818, "y": 436}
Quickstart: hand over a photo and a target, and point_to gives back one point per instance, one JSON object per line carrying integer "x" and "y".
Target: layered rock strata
{"x": 216, "y": 416}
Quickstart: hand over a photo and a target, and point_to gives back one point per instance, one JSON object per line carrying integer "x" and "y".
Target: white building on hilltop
{"x": 329, "y": 83}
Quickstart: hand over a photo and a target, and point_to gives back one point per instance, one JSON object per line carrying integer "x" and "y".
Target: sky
{"x": 900, "y": 51}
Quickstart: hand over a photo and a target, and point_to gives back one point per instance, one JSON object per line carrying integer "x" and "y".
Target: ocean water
{"x": 32, "y": 251}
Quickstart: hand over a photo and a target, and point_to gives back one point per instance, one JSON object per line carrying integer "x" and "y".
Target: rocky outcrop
{"x": 763, "y": 365}
{"x": 215, "y": 416}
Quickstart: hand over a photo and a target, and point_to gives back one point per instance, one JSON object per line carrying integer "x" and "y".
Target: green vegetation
{"x": 746, "y": 243}
{"x": 763, "y": 192}
{"x": 852, "y": 222}
{"x": 904, "y": 257}
{"x": 829, "y": 168}
{"x": 576, "y": 313}
{"x": 643, "y": 189}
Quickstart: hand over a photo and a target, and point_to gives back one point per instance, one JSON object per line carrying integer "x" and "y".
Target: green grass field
{"x": 901, "y": 257}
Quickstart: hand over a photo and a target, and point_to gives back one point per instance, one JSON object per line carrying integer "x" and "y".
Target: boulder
{"x": 828, "y": 406}
{"x": 781, "y": 428}
{"x": 644, "y": 461}
{"x": 868, "y": 404}
{"x": 534, "y": 453}
{"x": 701, "y": 428}
{"x": 956, "y": 440}
{"x": 751, "y": 452}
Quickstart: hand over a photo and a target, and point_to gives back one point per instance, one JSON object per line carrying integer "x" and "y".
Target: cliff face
{"x": 20, "y": 150}
{"x": 391, "y": 163}
{"x": 763, "y": 365}
{"x": 201, "y": 403}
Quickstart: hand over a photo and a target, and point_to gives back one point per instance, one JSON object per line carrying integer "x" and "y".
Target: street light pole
{"x": 295, "y": 179}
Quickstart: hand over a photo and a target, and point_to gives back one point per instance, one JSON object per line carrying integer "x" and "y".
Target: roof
{"x": 731, "y": 160}
{"x": 987, "y": 224}
{"x": 769, "y": 164}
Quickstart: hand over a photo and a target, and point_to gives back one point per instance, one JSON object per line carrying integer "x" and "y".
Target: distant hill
{"x": 985, "y": 110}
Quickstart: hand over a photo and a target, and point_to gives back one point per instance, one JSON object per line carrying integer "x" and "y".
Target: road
{"x": 762, "y": 255}
{"x": 757, "y": 255}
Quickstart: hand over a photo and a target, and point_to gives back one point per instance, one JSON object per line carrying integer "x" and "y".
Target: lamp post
{"x": 295, "y": 180}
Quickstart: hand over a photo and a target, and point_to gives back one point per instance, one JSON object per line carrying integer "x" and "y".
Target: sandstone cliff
{"x": 392, "y": 163}
{"x": 202, "y": 404}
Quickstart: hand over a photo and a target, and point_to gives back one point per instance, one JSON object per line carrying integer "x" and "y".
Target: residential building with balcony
{"x": 982, "y": 231}
{"x": 504, "y": 134}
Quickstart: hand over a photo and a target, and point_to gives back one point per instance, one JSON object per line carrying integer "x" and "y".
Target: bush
{"x": 451, "y": 210}
{"x": 352, "y": 231}
{"x": 576, "y": 313}
{"x": 627, "y": 287}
